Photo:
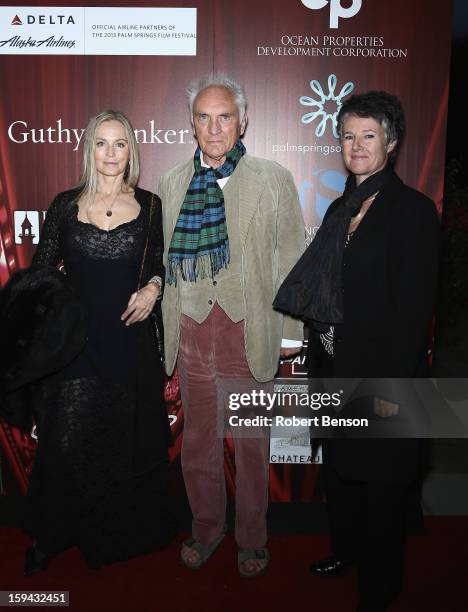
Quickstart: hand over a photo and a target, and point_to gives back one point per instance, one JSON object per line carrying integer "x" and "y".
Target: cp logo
{"x": 336, "y": 10}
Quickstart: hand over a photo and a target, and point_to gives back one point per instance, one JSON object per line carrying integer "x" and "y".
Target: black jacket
{"x": 43, "y": 328}
{"x": 389, "y": 283}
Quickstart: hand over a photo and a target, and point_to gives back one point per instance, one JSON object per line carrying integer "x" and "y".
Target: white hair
{"x": 218, "y": 80}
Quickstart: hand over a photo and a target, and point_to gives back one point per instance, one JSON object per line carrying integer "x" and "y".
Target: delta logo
{"x": 44, "y": 20}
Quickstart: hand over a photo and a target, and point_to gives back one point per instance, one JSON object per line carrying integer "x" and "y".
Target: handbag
{"x": 158, "y": 331}
{"x": 155, "y": 318}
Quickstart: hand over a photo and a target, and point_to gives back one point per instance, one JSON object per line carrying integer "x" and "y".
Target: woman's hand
{"x": 141, "y": 304}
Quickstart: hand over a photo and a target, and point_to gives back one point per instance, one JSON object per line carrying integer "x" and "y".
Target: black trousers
{"x": 368, "y": 524}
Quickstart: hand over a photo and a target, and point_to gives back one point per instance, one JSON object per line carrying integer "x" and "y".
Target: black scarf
{"x": 312, "y": 290}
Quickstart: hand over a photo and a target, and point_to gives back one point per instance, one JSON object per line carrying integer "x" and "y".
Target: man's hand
{"x": 384, "y": 409}
{"x": 288, "y": 353}
{"x": 141, "y": 304}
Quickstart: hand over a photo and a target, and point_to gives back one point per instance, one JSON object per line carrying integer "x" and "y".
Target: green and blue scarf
{"x": 200, "y": 245}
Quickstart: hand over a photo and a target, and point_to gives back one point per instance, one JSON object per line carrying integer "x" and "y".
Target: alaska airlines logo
{"x": 336, "y": 9}
{"x": 16, "y": 21}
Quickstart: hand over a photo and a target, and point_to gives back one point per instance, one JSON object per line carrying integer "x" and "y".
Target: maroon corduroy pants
{"x": 210, "y": 351}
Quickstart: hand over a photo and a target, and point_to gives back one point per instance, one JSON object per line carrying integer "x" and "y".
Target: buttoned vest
{"x": 198, "y": 298}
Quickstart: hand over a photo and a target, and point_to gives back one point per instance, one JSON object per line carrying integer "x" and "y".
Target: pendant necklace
{"x": 109, "y": 208}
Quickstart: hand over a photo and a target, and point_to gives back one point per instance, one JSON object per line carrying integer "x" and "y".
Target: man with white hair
{"x": 233, "y": 230}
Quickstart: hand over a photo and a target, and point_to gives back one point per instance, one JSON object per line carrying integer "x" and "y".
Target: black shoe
{"x": 35, "y": 561}
{"x": 331, "y": 567}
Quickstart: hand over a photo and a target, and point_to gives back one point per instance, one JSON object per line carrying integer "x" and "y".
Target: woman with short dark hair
{"x": 366, "y": 286}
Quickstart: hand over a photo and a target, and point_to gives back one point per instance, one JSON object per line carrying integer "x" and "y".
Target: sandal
{"x": 248, "y": 554}
{"x": 204, "y": 551}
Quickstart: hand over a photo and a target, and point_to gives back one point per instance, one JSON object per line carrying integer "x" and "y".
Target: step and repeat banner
{"x": 298, "y": 60}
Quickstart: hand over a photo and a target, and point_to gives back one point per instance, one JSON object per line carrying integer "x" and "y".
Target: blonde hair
{"x": 88, "y": 180}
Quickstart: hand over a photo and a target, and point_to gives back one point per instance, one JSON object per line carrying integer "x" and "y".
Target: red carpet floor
{"x": 436, "y": 577}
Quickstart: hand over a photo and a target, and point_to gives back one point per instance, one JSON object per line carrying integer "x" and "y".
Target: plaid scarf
{"x": 200, "y": 245}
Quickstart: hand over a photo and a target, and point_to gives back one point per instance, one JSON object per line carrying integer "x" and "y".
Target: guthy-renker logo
{"x": 336, "y": 9}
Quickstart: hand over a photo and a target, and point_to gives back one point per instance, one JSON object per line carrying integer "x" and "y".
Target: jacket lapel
{"x": 377, "y": 217}
{"x": 251, "y": 187}
{"x": 179, "y": 190}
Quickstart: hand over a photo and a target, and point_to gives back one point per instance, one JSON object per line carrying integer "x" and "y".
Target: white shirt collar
{"x": 202, "y": 161}
{"x": 222, "y": 181}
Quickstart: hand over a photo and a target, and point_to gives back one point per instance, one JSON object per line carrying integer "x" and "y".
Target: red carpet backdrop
{"x": 298, "y": 61}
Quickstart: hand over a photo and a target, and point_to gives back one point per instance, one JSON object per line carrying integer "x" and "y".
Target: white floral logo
{"x": 328, "y": 106}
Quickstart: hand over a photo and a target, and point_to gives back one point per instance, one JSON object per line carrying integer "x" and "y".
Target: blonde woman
{"x": 99, "y": 479}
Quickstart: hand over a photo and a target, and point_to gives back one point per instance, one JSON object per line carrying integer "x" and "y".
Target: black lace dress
{"x": 100, "y": 475}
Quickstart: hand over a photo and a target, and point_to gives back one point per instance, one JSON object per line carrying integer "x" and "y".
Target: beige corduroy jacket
{"x": 271, "y": 231}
